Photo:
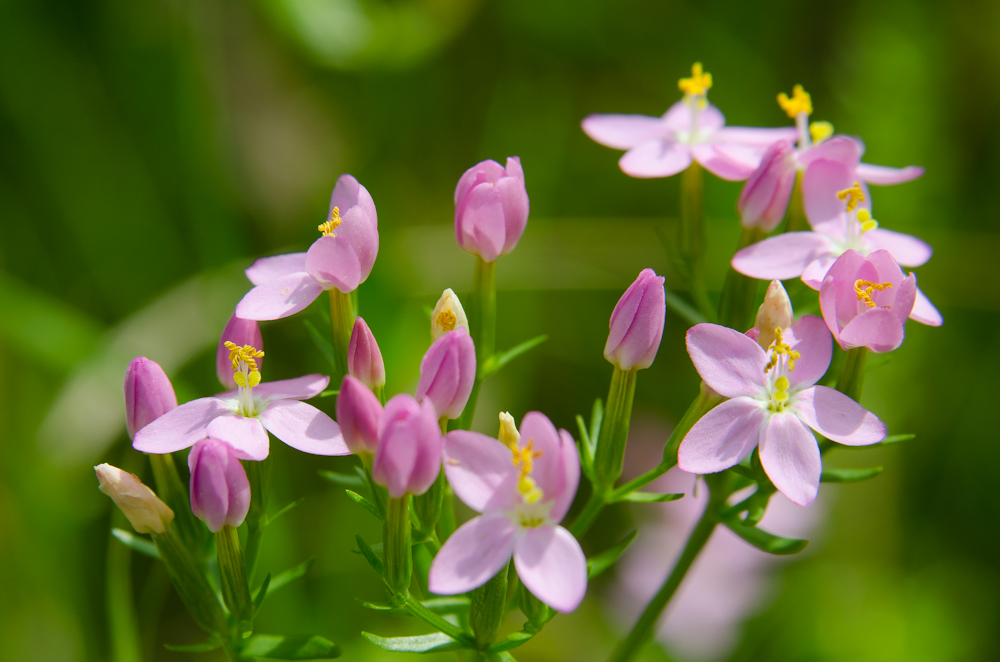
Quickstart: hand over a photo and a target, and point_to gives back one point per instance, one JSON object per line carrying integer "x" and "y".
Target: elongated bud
{"x": 358, "y": 414}
{"x": 774, "y": 313}
{"x": 364, "y": 359}
{"x": 408, "y": 458}
{"x": 764, "y": 199}
{"x": 491, "y": 208}
{"x": 240, "y": 332}
{"x": 148, "y": 394}
{"x": 448, "y": 315}
{"x": 637, "y": 323}
{"x": 141, "y": 506}
{"x": 220, "y": 491}
{"x": 447, "y": 373}
{"x": 508, "y": 435}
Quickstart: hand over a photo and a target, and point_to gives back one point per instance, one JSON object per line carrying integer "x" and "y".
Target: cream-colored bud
{"x": 141, "y": 506}
{"x": 775, "y": 312}
{"x": 509, "y": 436}
{"x": 448, "y": 315}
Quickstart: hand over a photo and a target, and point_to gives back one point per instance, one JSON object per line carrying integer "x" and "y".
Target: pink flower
{"x": 765, "y": 196}
{"x": 867, "y": 300}
{"x": 364, "y": 359}
{"x": 408, "y": 457}
{"x": 242, "y": 418}
{"x": 239, "y": 332}
{"x": 220, "y": 491}
{"x": 491, "y": 208}
{"x": 774, "y": 402}
{"x": 447, "y": 373}
{"x": 358, "y": 413}
{"x": 148, "y": 394}
{"x": 637, "y": 323}
{"x": 341, "y": 259}
{"x": 692, "y": 129}
{"x": 522, "y": 503}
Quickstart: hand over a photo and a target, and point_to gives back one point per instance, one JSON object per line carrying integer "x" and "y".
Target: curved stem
{"x": 341, "y": 325}
{"x": 483, "y": 322}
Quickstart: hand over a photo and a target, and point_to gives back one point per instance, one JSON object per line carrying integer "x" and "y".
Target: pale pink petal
{"x": 300, "y": 388}
{"x": 472, "y": 555}
{"x": 842, "y": 149}
{"x": 551, "y": 564}
{"x": 885, "y": 176}
{"x": 816, "y": 271}
{"x": 677, "y": 117}
{"x": 548, "y": 468}
{"x": 710, "y": 119}
{"x": 925, "y": 312}
{"x": 179, "y": 428}
{"x": 623, "y": 131}
{"x": 811, "y": 339}
{"x": 837, "y": 417}
{"x": 333, "y": 262}
{"x": 571, "y": 471}
{"x": 783, "y": 256}
{"x": 655, "y": 158}
{"x": 753, "y": 136}
{"x": 304, "y": 428}
{"x": 359, "y": 231}
{"x": 821, "y": 183}
{"x": 485, "y": 171}
{"x": 904, "y": 297}
{"x": 246, "y": 435}
{"x": 349, "y": 193}
{"x": 483, "y": 225}
{"x": 728, "y": 361}
{"x": 877, "y": 329}
{"x": 790, "y": 456}
{"x": 279, "y": 298}
{"x": 908, "y": 250}
{"x": 514, "y": 169}
{"x": 514, "y": 200}
{"x": 723, "y": 437}
{"x": 720, "y": 164}
{"x": 269, "y": 268}
{"x": 481, "y": 471}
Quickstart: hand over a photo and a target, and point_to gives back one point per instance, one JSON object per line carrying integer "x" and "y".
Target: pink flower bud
{"x": 148, "y": 394}
{"x": 408, "y": 457}
{"x": 220, "y": 491}
{"x": 774, "y": 313}
{"x": 765, "y": 196}
{"x": 239, "y": 332}
{"x": 637, "y": 323}
{"x": 491, "y": 208}
{"x": 447, "y": 373}
{"x": 364, "y": 360}
{"x": 358, "y": 414}
{"x": 141, "y": 506}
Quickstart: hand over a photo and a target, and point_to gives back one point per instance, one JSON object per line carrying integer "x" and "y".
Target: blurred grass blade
{"x": 342, "y": 479}
{"x": 261, "y": 593}
{"x": 498, "y": 361}
{"x": 649, "y": 497}
{"x": 288, "y": 576}
{"x": 422, "y": 643}
{"x": 364, "y": 503}
{"x": 511, "y": 641}
{"x": 210, "y": 644}
{"x": 849, "y": 475}
{"x": 272, "y": 518}
{"x": 321, "y": 342}
{"x": 765, "y": 541}
{"x": 683, "y": 309}
{"x": 373, "y": 560}
{"x": 302, "y": 647}
{"x": 598, "y": 564}
{"x": 137, "y": 543}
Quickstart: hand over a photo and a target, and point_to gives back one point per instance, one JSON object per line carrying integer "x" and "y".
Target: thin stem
{"x": 341, "y": 324}
{"x": 796, "y": 208}
{"x": 259, "y": 477}
{"x": 588, "y": 515}
{"x": 692, "y": 236}
{"x": 174, "y": 493}
{"x": 483, "y": 323}
{"x": 396, "y": 552}
{"x": 736, "y": 306}
{"x": 610, "y": 454}
{"x": 233, "y": 576}
{"x": 852, "y": 376}
{"x": 122, "y": 622}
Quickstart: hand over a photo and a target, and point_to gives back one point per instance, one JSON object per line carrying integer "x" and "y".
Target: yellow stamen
{"x": 248, "y": 355}
{"x": 698, "y": 84}
{"x": 820, "y": 131}
{"x": 800, "y": 102}
{"x": 865, "y": 288}
{"x": 866, "y": 220}
{"x": 331, "y": 223}
{"x": 779, "y": 347}
{"x": 447, "y": 320}
{"x": 529, "y": 490}
{"x": 852, "y": 195}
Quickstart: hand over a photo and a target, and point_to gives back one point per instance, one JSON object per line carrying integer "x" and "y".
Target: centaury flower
{"x": 491, "y": 208}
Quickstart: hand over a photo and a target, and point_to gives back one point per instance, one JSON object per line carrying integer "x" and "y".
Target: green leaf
{"x": 849, "y": 475}
{"x": 498, "y": 361}
{"x": 210, "y": 644}
{"x": 327, "y": 393}
{"x": 421, "y": 643}
{"x": 346, "y": 480}
{"x": 596, "y": 419}
{"x": 417, "y": 537}
{"x": 447, "y": 605}
{"x": 765, "y": 541}
{"x": 373, "y": 560}
{"x": 888, "y": 441}
{"x": 322, "y": 343}
{"x": 649, "y": 497}
{"x": 598, "y": 564}
{"x": 510, "y": 642}
{"x": 261, "y": 593}
{"x": 290, "y": 575}
{"x": 271, "y": 518}
{"x": 586, "y": 456}
{"x": 300, "y": 647}
{"x": 364, "y": 503}
{"x": 136, "y": 543}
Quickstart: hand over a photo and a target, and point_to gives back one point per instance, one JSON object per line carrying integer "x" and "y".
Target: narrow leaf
{"x": 500, "y": 360}
{"x": 891, "y": 439}
{"x": 373, "y": 560}
{"x": 302, "y": 647}
{"x": 322, "y": 343}
{"x": 446, "y": 605}
{"x": 849, "y": 475}
{"x": 364, "y": 503}
{"x": 272, "y": 518}
{"x": 765, "y": 541}
{"x": 510, "y": 642}
{"x": 422, "y": 643}
{"x": 342, "y": 479}
{"x": 596, "y": 419}
{"x": 649, "y": 497}
{"x": 288, "y": 576}
{"x": 327, "y": 393}
{"x": 136, "y": 543}
{"x": 598, "y": 564}
{"x": 211, "y": 644}
{"x": 261, "y": 593}
{"x": 586, "y": 457}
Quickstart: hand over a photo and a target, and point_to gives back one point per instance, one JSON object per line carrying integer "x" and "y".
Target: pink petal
{"x": 728, "y": 361}
{"x": 720, "y": 164}
{"x": 360, "y": 232}
{"x": 837, "y": 417}
{"x": 571, "y": 471}
{"x": 783, "y": 256}
{"x": 710, "y": 119}
{"x": 723, "y": 437}
{"x": 552, "y": 566}
{"x": 483, "y": 226}
{"x": 655, "y": 158}
{"x": 300, "y": 388}
{"x": 840, "y": 148}
{"x": 623, "y": 131}
{"x": 514, "y": 200}
{"x": 349, "y": 193}
{"x": 822, "y": 180}
{"x": 279, "y": 298}
{"x": 877, "y": 329}
{"x": 548, "y": 468}
{"x": 753, "y": 136}
{"x": 810, "y": 338}
{"x": 480, "y": 470}
{"x": 677, "y": 118}
{"x": 908, "y": 250}
{"x": 246, "y": 435}
{"x": 790, "y": 455}
{"x": 333, "y": 262}
{"x": 816, "y": 271}
{"x": 485, "y": 171}
{"x": 304, "y": 428}
{"x": 925, "y": 312}
{"x": 472, "y": 555}
{"x": 179, "y": 428}
{"x": 269, "y": 268}
{"x": 514, "y": 169}
{"x": 885, "y": 176}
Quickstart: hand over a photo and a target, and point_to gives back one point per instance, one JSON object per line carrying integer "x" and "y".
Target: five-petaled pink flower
{"x": 773, "y": 403}
{"x": 341, "y": 259}
{"x": 522, "y": 502}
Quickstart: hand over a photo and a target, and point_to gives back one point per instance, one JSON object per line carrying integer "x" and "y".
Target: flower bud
{"x": 148, "y": 394}
{"x": 774, "y": 313}
{"x": 240, "y": 332}
{"x": 220, "y": 491}
{"x": 358, "y": 414}
{"x": 765, "y": 196}
{"x": 637, "y": 323}
{"x": 491, "y": 208}
{"x": 408, "y": 457}
{"x": 364, "y": 359}
{"x": 448, "y": 315}
{"x": 141, "y": 506}
{"x": 447, "y": 373}
{"x": 508, "y": 435}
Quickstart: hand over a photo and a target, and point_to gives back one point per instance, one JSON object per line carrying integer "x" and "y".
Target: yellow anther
{"x": 254, "y": 378}
{"x": 778, "y": 348}
{"x": 331, "y": 223}
{"x": 529, "y": 489}
{"x": 239, "y": 379}
{"x": 524, "y": 457}
{"x": 865, "y": 289}
{"x": 781, "y": 383}
{"x": 447, "y": 320}
{"x": 852, "y": 195}
{"x": 866, "y": 220}
{"x": 820, "y": 131}
{"x": 246, "y": 353}
{"x": 799, "y": 102}
{"x": 698, "y": 84}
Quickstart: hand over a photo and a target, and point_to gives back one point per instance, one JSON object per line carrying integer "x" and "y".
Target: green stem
{"x": 692, "y": 236}
{"x": 610, "y": 454}
{"x": 379, "y": 493}
{"x": 483, "y": 323}
{"x": 486, "y": 610}
{"x": 341, "y": 325}
{"x": 852, "y": 375}
{"x": 796, "y": 209}
{"x": 736, "y": 306}
{"x": 174, "y": 493}
{"x": 588, "y": 515}
{"x": 188, "y": 578}
{"x": 233, "y": 576}
{"x": 398, "y": 557}
{"x": 122, "y": 622}
{"x": 259, "y": 476}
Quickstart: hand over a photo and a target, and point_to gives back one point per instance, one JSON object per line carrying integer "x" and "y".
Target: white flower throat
{"x": 695, "y": 91}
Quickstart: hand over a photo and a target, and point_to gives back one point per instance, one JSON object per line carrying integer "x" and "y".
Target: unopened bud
{"x": 774, "y": 313}
{"x": 508, "y": 436}
{"x": 448, "y": 315}
{"x": 141, "y": 506}
{"x": 148, "y": 394}
{"x": 364, "y": 358}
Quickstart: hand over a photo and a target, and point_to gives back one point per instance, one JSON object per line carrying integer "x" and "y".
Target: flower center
{"x": 695, "y": 90}
{"x": 331, "y": 223}
{"x": 524, "y": 457}
{"x": 782, "y": 361}
{"x": 865, "y": 288}
{"x": 862, "y": 221}
{"x": 446, "y": 319}
{"x": 799, "y": 102}
{"x": 852, "y": 196}
{"x": 246, "y": 374}
{"x": 698, "y": 84}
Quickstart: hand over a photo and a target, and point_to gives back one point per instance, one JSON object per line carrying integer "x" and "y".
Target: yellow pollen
{"x": 524, "y": 458}
{"x": 865, "y": 288}
{"x": 820, "y": 131}
{"x": 853, "y": 196}
{"x": 331, "y": 223}
{"x": 799, "y": 102}
{"x": 698, "y": 84}
{"x": 866, "y": 220}
{"x": 248, "y": 355}
{"x": 529, "y": 490}
{"x": 447, "y": 320}
{"x": 779, "y": 347}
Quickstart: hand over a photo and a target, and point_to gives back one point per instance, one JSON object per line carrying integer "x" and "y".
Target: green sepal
{"x": 649, "y": 497}
{"x": 296, "y": 647}
{"x": 288, "y": 576}
{"x": 261, "y": 593}
{"x": 849, "y": 475}
{"x": 136, "y": 543}
{"x": 510, "y": 642}
{"x": 765, "y": 541}
{"x": 322, "y": 343}
{"x": 373, "y": 560}
{"x": 497, "y": 361}
{"x": 364, "y": 503}
{"x": 421, "y": 643}
{"x": 345, "y": 480}
{"x": 601, "y": 562}
{"x": 210, "y": 644}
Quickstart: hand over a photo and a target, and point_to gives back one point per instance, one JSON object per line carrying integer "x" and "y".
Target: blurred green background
{"x": 149, "y": 150}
